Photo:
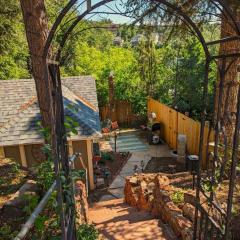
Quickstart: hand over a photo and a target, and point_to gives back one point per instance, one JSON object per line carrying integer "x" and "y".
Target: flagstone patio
{"x": 116, "y": 189}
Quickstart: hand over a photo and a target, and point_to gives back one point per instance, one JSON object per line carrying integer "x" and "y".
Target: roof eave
{"x": 95, "y": 136}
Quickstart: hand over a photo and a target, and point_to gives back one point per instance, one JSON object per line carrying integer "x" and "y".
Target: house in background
{"x": 135, "y": 41}
{"x": 20, "y": 138}
{"x": 118, "y": 41}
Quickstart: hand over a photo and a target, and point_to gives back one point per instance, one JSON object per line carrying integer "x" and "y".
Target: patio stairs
{"x": 129, "y": 143}
{"x": 116, "y": 220}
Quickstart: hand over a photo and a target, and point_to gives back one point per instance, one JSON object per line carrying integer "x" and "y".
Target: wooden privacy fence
{"x": 122, "y": 112}
{"x": 174, "y": 123}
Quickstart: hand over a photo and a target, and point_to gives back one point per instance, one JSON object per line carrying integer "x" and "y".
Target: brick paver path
{"x": 117, "y": 220}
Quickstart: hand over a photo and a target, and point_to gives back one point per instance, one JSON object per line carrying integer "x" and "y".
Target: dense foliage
{"x": 171, "y": 72}
{"x": 13, "y": 45}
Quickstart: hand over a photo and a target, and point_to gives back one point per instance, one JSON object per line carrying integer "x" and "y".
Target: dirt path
{"x": 118, "y": 221}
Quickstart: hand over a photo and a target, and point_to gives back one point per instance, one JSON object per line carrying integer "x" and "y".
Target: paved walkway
{"x": 116, "y": 220}
{"x": 116, "y": 188}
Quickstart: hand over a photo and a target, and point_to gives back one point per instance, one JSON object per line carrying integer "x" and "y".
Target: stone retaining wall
{"x": 152, "y": 192}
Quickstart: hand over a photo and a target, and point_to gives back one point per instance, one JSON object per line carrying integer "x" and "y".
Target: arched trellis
{"x": 203, "y": 225}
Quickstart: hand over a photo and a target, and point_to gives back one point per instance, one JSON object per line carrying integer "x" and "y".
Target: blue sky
{"x": 115, "y": 18}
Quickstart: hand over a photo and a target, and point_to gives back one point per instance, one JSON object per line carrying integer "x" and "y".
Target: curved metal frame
{"x": 54, "y": 75}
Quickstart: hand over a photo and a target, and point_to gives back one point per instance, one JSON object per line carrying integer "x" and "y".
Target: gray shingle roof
{"x": 19, "y": 111}
{"x": 83, "y": 87}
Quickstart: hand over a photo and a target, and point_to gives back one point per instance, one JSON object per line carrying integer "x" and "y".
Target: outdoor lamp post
{"x": 111, "y": 91}
{"x": 115, "y": 141}
{"x": 142, "y": 165}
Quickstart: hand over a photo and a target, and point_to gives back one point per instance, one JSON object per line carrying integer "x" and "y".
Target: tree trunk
{"x": 36, "y": 26}
{"x": 111, "y": 96}
{"x": 228, "y": 98}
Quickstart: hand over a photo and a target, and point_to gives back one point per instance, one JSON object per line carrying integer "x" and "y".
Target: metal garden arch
{"x": 204, "y": 226}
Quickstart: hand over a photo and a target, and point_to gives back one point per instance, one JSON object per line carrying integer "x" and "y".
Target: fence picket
{"x": 122, "y": 113}
{"x": 174, "y": 123}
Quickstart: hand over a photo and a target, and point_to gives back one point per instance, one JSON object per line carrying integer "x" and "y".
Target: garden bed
{"x": 19, "y": 197}
{"x": 112, "y": 163}
{"x": 12, "y": 177}
{"x": 115, "y": 163}
{"x": 164, "y": 165}
{"x": 119, "y": 160}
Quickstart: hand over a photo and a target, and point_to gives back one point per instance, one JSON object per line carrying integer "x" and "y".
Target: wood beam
{"x": 70, "y": 148}
{"x": 23, "y": 155}
{"x": 2, "y": 153}
{"x": 90, "y": 164}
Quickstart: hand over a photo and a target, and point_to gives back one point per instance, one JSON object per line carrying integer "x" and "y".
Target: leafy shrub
{"x": 32, "y": 202}
{"x": 106, "y": 156}
{"x": 6, "y": 232}
{"x": 15, "y": 167}
{"x": 87, "y": 232}
{"x": 46, "y": 176}
{"x": 177, "y": 197}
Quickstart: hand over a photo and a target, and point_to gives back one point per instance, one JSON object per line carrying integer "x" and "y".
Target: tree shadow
{"x": 12, "y": 178}
{"x": 120, "y": 221}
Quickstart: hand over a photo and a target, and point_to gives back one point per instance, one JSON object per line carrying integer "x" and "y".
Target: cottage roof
{"x": 19, "y": 110}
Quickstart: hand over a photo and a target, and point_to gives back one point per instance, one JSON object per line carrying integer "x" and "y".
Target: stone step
{"x": 107, "y": 203}
{"x": 112, "y": 140}
{"x": 129, "y": 144}
{"x": 126, "y": 136}
{"x": 116, "y": 220}
{"x": 133, "y": 149}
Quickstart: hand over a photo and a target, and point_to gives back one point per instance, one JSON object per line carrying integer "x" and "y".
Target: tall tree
{"x": 36, "y": 26}
{"x": 13, "y": 46}
{"x": 147, "y": 60}
{"x": 228, "y": 100}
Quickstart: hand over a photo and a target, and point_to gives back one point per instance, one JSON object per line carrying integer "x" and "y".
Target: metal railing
{"x": 31, "y": 220}
{"x": 29, "y": 223}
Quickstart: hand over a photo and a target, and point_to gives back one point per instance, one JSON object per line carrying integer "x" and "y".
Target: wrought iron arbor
{"x": 225, "y": 148}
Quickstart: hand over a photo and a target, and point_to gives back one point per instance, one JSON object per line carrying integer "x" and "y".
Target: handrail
{"x": 29, "y": 223}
